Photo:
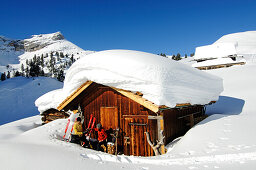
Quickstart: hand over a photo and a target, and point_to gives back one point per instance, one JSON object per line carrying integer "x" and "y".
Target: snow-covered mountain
{"x": 14, "y": 53}
{"x": 9, "y": 51}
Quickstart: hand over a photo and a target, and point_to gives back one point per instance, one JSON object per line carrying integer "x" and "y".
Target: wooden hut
{"x": 133, "y": 115}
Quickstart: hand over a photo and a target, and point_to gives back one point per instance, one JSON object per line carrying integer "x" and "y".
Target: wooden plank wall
{"x": 97, "y": 96}
{"x": 175, "y": 127}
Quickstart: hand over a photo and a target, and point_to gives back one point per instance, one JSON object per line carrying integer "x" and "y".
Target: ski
{"x": 90, "y": 122}
{"x": 66, "y": 129}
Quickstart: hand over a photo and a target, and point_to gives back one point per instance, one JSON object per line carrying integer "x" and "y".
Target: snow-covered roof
{"x": 217, "y": 50}
{"x": 160, "y": 80}
{"x": 245, "y": 41}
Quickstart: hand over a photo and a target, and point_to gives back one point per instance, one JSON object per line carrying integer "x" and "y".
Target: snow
{"x": 8, "y": 55}
{"x": 53, "y": 45}
{"x": 241, "y": 43}
{"x": 225, "y": 140}
{"x": 20, "y": 93}
{"x": 160, "y": 80}
{"x": 216, "y": 50}
{"x": 217, "y": 61}
{"x": 245, "y": 42}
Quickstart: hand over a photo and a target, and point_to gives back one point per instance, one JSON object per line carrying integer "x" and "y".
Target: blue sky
{"x": 152, "y": 26}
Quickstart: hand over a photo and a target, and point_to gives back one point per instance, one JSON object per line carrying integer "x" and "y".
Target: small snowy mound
{"x": 160, "y": 80}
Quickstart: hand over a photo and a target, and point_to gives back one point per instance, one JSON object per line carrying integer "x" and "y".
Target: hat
{"x": 98, "y": 126}
{"x": 78, "y": 119}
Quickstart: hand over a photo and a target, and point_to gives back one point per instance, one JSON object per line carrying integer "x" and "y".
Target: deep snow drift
{"x": 160, "y": 80}
{"x": 225, "y": 140}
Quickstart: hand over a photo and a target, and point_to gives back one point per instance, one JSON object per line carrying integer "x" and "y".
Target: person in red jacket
{"x": 102, "y": 136}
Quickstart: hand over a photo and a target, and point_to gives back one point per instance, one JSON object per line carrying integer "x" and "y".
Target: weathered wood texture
{"x": 177, "y": 121}
{"x": 115, "y": 110}
{"x": 219, "y": 66}
{"x": 53, "y": 114}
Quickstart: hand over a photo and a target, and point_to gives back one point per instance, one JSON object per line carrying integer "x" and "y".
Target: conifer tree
{"x": 17, "y": 74}
{"x": 8, "y": 75}
{"x": 60, "y": 75}
{"x": 3, "y": 77}
{"x": 61, "y": 55}
{"x": 22, "y": 69}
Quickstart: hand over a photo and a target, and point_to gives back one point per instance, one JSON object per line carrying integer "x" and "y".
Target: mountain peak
{"x": 40, "y": 41}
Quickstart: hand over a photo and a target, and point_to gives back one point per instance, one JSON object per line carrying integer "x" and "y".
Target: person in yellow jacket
{"x": 78, "y": 127}
{"x": 78, "y": 130}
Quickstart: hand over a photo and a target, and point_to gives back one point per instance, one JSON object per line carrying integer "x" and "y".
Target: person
{"x": 102, "y": 136}
{"x": 78, "y": 131}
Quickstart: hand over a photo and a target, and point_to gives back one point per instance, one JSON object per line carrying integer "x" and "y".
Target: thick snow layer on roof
{"x": 217, "y": 61}
{"x": 216, "y": 50}
{"x": 246, "y": 41}
{"x": 161, "y": 80}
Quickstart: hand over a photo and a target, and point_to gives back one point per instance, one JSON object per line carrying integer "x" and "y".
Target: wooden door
{"x": 109, "y": 117}
{"x": 135, "y": 142}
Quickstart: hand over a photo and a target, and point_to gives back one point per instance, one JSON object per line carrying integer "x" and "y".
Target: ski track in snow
{"x": 239, "y": 158}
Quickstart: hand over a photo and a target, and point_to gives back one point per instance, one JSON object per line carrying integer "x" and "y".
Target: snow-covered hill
{"x": 225, "y": 140}
{"x": 19, "y": 94}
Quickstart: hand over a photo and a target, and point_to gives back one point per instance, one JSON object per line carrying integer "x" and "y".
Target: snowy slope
{"x": 160, "y": 80}
{"x": 9, "y": 52}
{"x": 18, "y": 96}
{"x": 222, "y": 141}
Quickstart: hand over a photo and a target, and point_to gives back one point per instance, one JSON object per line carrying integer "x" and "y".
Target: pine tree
{"x": 186, "y": 56}
{"x": 60, "y": 76}
{"x": 61, "y": 55}
{"x": 163, "y": 54}
{"x": 42, "y": 61}
{"x": 17, "y": 74}
{"x": 8, "y": 75}
{"x": 27, "y": 72}
{"x": 3, "y": 77}
{"x": 22, "y": 69}
{"x": 72, "y": 58}
{"x": 41, "y": 73}
{"x": 34, "y": 59}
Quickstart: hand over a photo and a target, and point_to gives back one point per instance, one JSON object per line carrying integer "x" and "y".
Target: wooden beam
{"x": 151, "y": 106}
{"x": 155, "y": 117}
{"x": 188, "y": 115}
{"x": 74, "y": 95}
